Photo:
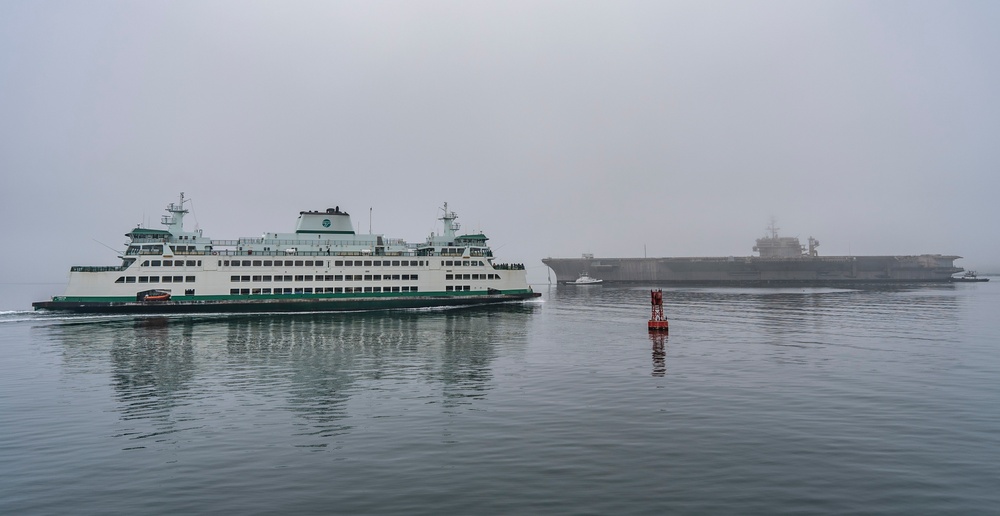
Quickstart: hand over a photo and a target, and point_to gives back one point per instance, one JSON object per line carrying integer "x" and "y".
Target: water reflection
{"x": 325, "y": 368}
{"x": 659, "y": 341}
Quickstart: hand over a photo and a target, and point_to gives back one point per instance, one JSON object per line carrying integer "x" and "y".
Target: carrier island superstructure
{"x": 324, "y": 265}
{"x": 780, "y": 261}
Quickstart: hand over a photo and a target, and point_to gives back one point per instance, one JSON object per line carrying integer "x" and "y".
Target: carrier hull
{"x": 752, "y": 270}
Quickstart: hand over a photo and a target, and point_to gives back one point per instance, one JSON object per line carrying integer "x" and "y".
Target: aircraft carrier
{"x": 780, "y": 261}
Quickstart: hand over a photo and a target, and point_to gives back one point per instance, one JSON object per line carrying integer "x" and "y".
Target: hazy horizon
{"x": 557, "y": 128}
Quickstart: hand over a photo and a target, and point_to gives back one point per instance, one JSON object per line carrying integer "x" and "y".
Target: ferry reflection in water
{"x": 324, "y": 368}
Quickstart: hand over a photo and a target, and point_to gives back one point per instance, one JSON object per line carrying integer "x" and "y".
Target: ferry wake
{"x": 323, "y": 266}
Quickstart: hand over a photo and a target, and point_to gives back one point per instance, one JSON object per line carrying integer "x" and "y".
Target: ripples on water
{"x": 759, "y": 401}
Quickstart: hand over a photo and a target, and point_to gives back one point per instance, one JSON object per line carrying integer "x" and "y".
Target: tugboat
{"x": 969, "y": 276}
{"x": 584, "y": 279}
{"x": 322, "y": 266}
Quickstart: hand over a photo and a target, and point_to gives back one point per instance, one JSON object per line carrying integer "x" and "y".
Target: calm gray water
{"x": 760, "y": 401}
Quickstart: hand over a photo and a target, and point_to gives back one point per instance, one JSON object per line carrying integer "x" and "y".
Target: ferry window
{"x": 329, "y": 277}
{"x": 121, "y": 279}
{"x": 245, "y": 278}
{"x": 189, "y": 292}
{"x": 246, "y": 263}
{"x": 288, "y": 291}
{"x": 298, "y": 263}
{"x": 255, "y": 291}
{"x": 309, "y": 278}
{"x": 413, "y": 289}
{"x": 298, "y": 290}
{"x": 395, "y": 289}
{"x": 190, "y": 263}
{"x": 256, "y": 263}
{"x": 309, "y": 263}
{"x": 308, "y": 290}
{"x": 368, "y": 277}
{"x": 377, "y": 277}
{"x": 368, "y": 263}
{"x": 256, "y": 278}
{"x": 413, "y": 276}
{"x": 357, "y": 263}
{"x": 178, "y": 279}
{"x": 167, "y": 279}
{"x": 278, "y": 278}
{"x": 265, "y": 278}
{"x": 189, "y": 279}
{"x": 267, "y": 263}
{"x": 395, "y": 263}
{"x": 154, "y": 279}
{"x": 338, "y": 290}
{"x": 395, "y": 276}
{"x": 145, "y": 263}
{"x": 368, "y": 289}
{"x": 447, "y": 277}
{"x": 199, "y": 263}
{"x": 234, "y": 291}
{"x": 234, "y": 278}
{"x": 265, "y": 291}
{"x": 449, "y": 288}
{"x": 168, "y": 263}
{"x": 225, "y": 263}
{"x": 339, "y": 263}
{"x": 129, "y": 279}
{"x": 155, "y": 263}
{"x": 338, "y": 277}
{"x": 245, "y": 291}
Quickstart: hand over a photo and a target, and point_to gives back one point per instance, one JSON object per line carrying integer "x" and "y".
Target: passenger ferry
{"x": 323, "y": 266}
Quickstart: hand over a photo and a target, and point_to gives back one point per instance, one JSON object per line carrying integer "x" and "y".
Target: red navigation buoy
{"x": 657, "y": 321}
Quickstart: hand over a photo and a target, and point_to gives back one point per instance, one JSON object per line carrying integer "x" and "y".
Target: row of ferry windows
{"x": 470, "y": 276}
{"x": 329, "y": 277}
{"x": 317, "y": 290}
{"x": 322, "y": 263}
{"x": 155, "y": 279}
{"x": 171, "y": 263}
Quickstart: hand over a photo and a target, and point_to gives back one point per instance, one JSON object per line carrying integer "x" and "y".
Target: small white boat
{"x": 584, "y": 279}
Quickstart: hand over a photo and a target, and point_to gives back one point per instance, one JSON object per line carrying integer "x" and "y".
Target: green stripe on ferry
{"x": 288, "y": 297}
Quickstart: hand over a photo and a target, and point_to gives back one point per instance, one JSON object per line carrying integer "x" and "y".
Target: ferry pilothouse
{"x": 323, "y": 266}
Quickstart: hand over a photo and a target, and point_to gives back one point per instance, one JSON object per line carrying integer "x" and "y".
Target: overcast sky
{"x": 558, "y": 128}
